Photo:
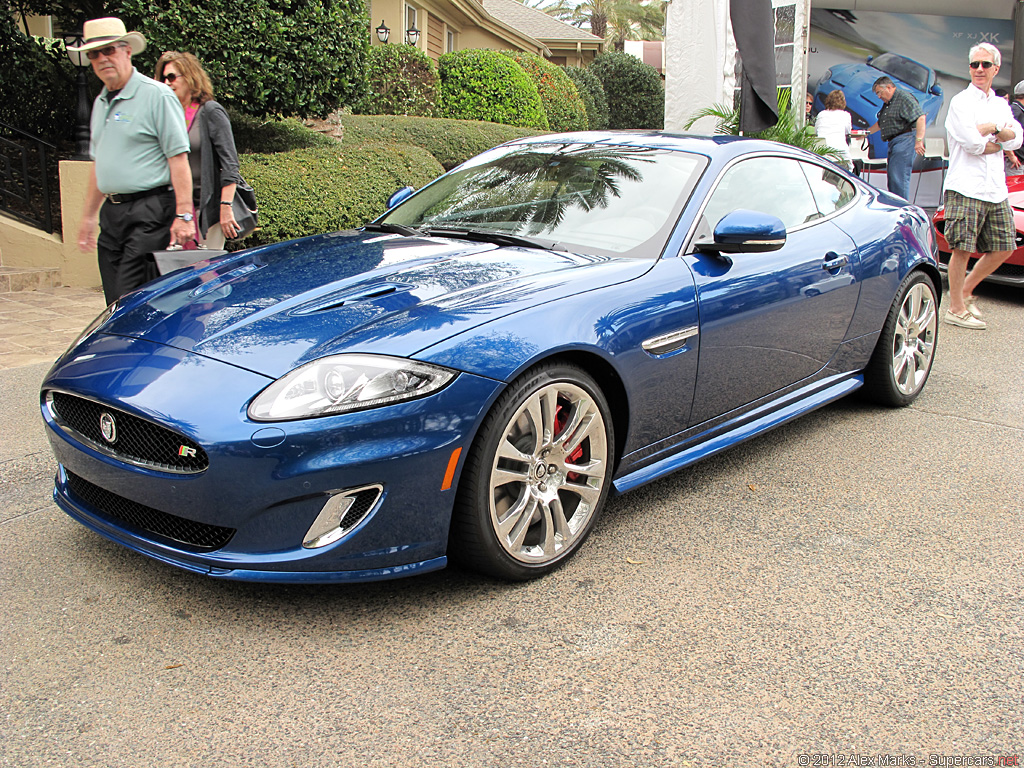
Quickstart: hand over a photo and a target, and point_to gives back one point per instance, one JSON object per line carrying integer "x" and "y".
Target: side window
{"x": 772, "y": 185}
{"x": 831, "y": 191}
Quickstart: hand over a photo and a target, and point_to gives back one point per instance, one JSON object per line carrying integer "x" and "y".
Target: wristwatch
{"x": 183, "y": 216}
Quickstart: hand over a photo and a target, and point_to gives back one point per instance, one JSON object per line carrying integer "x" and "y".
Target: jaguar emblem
{"x": 108, "y": 428}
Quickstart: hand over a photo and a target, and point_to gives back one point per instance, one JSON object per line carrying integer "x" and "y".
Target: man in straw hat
{"x": 140, "y": 190}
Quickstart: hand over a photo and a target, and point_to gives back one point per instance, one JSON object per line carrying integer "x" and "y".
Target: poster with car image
{"x": 922, "y": 54}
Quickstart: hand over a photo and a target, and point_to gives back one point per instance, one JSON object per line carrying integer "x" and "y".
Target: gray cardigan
{"x": 218, "y": 160}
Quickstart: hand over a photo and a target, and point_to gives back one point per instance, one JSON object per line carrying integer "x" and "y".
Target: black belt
{"x": 912, "y": 129}
{"x": 129, "y": 197}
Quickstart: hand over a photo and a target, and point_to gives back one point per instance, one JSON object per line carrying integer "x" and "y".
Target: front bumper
{"x": 265, "y": 484}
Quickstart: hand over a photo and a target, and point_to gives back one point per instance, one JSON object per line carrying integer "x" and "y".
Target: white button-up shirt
{"x": 971, "y": 172}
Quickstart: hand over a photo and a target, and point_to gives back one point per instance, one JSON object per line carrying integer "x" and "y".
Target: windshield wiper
{"x": 489, "y": 236}
{"x": 396, "y": 229}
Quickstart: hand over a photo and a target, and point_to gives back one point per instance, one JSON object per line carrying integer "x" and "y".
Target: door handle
{"x": 838, "y": 262}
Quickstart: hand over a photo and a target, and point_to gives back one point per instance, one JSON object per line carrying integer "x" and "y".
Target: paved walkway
{"x": 37, "y": 326}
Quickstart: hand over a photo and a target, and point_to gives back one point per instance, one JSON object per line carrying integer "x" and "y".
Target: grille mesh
{"x": 360, "y": 508}
{"x": 137, "y": 440}
{"x": 189, "y": 534}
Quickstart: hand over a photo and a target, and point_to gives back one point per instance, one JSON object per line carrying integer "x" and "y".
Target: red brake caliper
{"x": 561, "y": 418}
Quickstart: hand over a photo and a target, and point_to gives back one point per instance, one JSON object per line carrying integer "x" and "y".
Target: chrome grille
{"x": 136, "y": 440}
{"x": 187, "y": 534}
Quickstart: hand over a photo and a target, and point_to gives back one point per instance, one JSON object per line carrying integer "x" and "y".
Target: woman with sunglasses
{"x": 213, "y": 158}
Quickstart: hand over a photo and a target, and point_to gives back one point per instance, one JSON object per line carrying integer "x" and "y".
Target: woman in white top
{"x": 833, "y": 125}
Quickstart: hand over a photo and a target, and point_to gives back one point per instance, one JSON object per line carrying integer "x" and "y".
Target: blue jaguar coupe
{"x": 471, "y": 375}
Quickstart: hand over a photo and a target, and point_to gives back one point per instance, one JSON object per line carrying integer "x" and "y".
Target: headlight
{"x": 344, "y": 383}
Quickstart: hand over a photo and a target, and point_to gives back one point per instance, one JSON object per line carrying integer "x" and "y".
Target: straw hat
{"x": 99, "y": 33}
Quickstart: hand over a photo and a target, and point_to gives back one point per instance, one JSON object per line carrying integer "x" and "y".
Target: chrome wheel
{"x": 914, "y": 339}
{"x": 549, "y": 473}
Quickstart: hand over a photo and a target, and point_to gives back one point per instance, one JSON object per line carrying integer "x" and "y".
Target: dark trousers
{"x": 129, "y": 233}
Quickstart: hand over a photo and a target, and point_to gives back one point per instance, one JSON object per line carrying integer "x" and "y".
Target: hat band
{"x": 91, "y": 40}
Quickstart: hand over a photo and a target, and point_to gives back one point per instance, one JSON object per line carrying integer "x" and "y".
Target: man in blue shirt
{"x": 140, "y": 190}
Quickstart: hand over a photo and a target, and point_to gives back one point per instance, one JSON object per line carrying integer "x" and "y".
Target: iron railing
{"x": 25, "y": 177}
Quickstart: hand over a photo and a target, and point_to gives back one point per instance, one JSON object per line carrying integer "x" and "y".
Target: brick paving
{"x": 37, "y": 326}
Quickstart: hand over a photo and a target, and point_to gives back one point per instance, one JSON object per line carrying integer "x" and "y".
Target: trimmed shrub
{"x": 636, "y": 96}
{"x": 484, "y": 85}
{"x": 449, "y": 141}
{"x": 268, "y": 136}
{"x": 401, "y": 80}
{"x": 272, "y": 57}
{"x": 327, "y": 188}
{"x": 38, "y": 84}
{"x": 562, "y": 103}
{"x": 592, "y": 93}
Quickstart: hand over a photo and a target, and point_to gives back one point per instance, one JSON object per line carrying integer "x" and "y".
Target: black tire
{"x": 526, "y": 501}
{"x": 902, "y": 359}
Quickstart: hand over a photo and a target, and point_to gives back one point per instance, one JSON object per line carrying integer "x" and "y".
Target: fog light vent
{"x": 342, "y": 512}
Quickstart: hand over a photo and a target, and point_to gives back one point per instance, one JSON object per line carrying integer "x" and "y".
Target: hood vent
{"x": 343, "y": 299}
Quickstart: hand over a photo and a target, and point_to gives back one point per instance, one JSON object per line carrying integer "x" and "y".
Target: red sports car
{"x": 1011, "y": 271}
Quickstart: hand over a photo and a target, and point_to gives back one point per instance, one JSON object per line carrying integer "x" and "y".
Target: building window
{"x": 449, "y": 44}
{"x": 411, "y": 19}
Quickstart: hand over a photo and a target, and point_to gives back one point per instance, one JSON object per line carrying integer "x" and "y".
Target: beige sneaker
{"x": 972, "y": 307}
{"x": 965, "y": 320}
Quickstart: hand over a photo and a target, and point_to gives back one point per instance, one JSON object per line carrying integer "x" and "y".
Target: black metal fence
{"x": 27, "y": 177}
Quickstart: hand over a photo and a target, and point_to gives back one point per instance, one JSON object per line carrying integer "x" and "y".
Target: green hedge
{"x": 450, "y": 141}
{"x": 253, "y": 134}
{"x": 484, "y": 85}
{"x": 592, "y": 93}
{"x": 401, "y": 80}
{"x": 327, "y": 188}
{"x": 38, "y": 84}
{"x": 562, "y": 103}
{"x": 636, "y": 96}
{"x": 271, "y": 57}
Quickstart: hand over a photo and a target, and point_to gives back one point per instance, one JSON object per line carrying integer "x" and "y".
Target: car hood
{"x": 857, "y": 81}
{"x": 274, "y": 308}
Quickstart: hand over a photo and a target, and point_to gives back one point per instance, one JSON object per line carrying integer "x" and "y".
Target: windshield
{"x": 591, "y": 198}
{"x": 910, "y": 72}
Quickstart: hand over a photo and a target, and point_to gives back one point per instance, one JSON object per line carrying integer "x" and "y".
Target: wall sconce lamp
{"x": 412, "y": 35}
{"x": 383, "y": 32}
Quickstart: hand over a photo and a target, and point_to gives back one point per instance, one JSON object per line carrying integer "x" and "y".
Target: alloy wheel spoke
{"x": 516, "y": 524}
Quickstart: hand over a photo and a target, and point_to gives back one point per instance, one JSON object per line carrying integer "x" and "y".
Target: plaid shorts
{"x": 977, "y": 226}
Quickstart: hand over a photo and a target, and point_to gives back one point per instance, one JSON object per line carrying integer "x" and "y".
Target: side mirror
{"x": 744, "y": 231}
{"x": 869, "y": 59}
{"x": 936, "y": 90}
{"x": 398, "y": 196}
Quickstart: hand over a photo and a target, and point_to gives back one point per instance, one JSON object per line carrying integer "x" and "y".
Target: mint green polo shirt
{"x": 134, "y": 134}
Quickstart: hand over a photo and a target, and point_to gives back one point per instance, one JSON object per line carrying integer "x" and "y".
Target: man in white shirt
{"x": 979, "y": 220}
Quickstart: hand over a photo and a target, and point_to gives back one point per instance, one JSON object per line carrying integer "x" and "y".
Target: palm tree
{"x": 613, "y": 20}
{"x": 786, "y": 131}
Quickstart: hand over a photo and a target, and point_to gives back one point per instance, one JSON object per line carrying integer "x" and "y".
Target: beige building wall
{"x": 25, "y": 247}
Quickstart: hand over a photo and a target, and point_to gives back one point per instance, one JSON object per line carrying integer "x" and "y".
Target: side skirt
{"x": 797, "y": 405}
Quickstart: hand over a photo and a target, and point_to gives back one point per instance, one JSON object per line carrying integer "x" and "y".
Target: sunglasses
{"x": 170, "y": 77}
{"x": 96, "y": 53}
{"x": 985, "y": 64}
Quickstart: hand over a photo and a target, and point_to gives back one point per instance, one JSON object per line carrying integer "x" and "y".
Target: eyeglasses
{"x": 984, "y": 64}
{"x": 97, "y": 52}
{"x": 169, "y": 77}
